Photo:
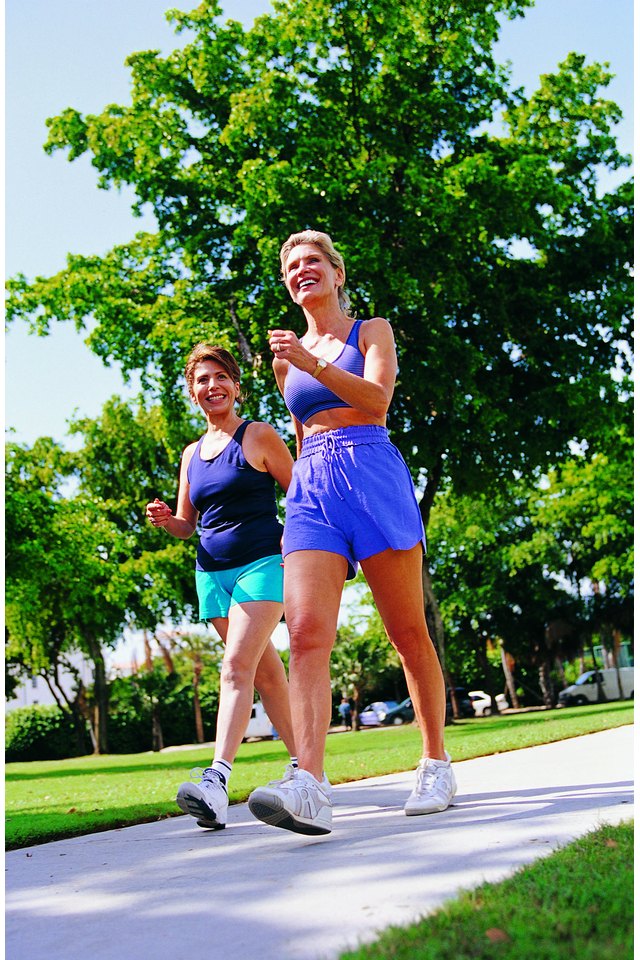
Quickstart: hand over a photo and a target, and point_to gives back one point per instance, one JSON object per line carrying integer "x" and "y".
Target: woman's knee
{"x": 310, "y": 623}
{"x": 411, "y": 640}
{"x": 237, "y": 670}
{"x": 309, "y": 638}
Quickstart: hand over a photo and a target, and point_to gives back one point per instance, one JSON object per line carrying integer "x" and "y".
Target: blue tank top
{"x": 237, "y": 505}
{"x": 305, "y": 396}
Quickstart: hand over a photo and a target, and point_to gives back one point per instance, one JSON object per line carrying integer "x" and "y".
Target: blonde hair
{"x": 206, "y": 351}
{"x": 324, "y": 243}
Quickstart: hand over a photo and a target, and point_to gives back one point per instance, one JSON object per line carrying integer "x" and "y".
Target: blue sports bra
{"x": 305, "y": 396}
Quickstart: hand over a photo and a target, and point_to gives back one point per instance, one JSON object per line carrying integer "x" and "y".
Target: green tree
{"x": 197, "y": 655}
{"x": 582, "y": 530}
{"x": 489, "y": 602}
{"x": 65, "y": 591}
{"x": 512, "y": 565}
{"x": 131, "y": 454}
{"x": 468, "y": 214}
{"x": 583, "y": 517}
{"x": 81, "y": 561}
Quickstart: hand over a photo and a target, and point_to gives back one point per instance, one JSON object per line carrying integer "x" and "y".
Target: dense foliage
{"x": 41, "y": 733}
{"x": 469, "y": 215}
{"x": 489, "y": 246}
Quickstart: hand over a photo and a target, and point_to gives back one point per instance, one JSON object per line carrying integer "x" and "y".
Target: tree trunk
{"x": 157, "y": 742}
{"x": 544, "y": 679}
{"x": 601, "y": 696}
{"x": 435, "y": 627}
{"x": 82, "y": 718}
{"x": 100, "y": 694}
{"x": 166, "y": 656}
{"x": 508, "y": 676}
{"x": 433, "y": 617}
{"x": 561, "y": 673}
{"x": 148, "y": 659}
{"x": 616, "y": 661}
{"x": 77, "y": 707}
{"x": 355, "y": 712}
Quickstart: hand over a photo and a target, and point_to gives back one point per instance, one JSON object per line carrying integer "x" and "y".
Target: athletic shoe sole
{"x": 420, "y": 812}
{"x": 195, "y": 807}
{"x": 270, "y": 809}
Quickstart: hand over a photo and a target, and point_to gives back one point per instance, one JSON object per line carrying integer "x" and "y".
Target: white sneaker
{"x": 289, "y": 771}
{"x": 435, "y": 787}
{"x": 298, "y": 802}
{"x": 206, "y": 800}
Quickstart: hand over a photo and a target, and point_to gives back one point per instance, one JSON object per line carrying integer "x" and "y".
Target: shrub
{"x": 130, "y": 712}
{"x": 128, "y": 730}
{"x": 42, "y": 732}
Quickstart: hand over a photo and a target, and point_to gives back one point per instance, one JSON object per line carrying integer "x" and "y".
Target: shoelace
{"x": 207, "y": 775}
{"x": 289, "y": 774}
{"x": 428, "y": 777}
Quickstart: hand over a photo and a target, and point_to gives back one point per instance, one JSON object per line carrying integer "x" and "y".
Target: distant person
{"x": 351, "y": 501}
{"x": 344, "y": 709}
{"x": 227, "y": 479}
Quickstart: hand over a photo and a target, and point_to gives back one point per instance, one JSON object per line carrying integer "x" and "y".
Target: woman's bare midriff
{"x": 338, "y": 417}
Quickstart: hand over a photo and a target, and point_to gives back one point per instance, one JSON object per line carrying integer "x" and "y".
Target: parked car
{"x": 464, "y": 703}
{"x": 482, "y": 702}
{"x": 375, "y": 714}
{"x": 402, "y": 713}
{"x": 585, "y": 689}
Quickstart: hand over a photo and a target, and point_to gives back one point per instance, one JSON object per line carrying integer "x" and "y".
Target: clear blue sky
{"x": 62, "y": 53}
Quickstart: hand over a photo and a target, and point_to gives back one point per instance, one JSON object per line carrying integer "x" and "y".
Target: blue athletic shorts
{"x": 220, "y": 589}
{"x": 351, "y": 494}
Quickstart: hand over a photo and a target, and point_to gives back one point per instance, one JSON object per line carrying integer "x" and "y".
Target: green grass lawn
{"x": 60, "y": 798}
{"x": 576, "y": 904}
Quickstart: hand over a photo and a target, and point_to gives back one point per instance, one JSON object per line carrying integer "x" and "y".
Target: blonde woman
{"x": 351, "y": 501}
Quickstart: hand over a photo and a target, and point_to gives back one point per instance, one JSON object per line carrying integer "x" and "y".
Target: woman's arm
{"x": 372, "y": 393}
{"x": 183, "y": 523}
{"x": 265, "y": 450}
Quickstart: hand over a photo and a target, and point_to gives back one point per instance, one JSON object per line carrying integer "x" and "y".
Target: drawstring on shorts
{"x": 330, "y": 444}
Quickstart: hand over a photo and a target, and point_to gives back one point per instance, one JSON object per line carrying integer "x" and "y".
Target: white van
{"x": 259, "y": 725}
{"x": 585, "y": 689}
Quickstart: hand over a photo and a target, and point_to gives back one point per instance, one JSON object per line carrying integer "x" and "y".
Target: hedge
{"x": 42, "y": 732}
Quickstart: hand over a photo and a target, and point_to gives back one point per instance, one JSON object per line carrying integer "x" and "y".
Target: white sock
{"x": 223, "y": 770}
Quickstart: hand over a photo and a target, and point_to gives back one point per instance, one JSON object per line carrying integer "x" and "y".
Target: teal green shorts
{"x": 218, "y": 590}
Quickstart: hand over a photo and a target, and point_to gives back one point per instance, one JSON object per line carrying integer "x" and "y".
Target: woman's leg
{"x": 273, "y": 687}
{"x": 248, "y": 632}
{"x": 313, "y": 583}
{"x": 395, "y": 578}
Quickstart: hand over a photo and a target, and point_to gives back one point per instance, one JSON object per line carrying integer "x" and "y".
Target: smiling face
{"x": 309, "y": 275}
{"x": 213, "y": 388}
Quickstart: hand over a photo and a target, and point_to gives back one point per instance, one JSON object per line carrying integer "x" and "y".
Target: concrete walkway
{"x": 171, "y": 891}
